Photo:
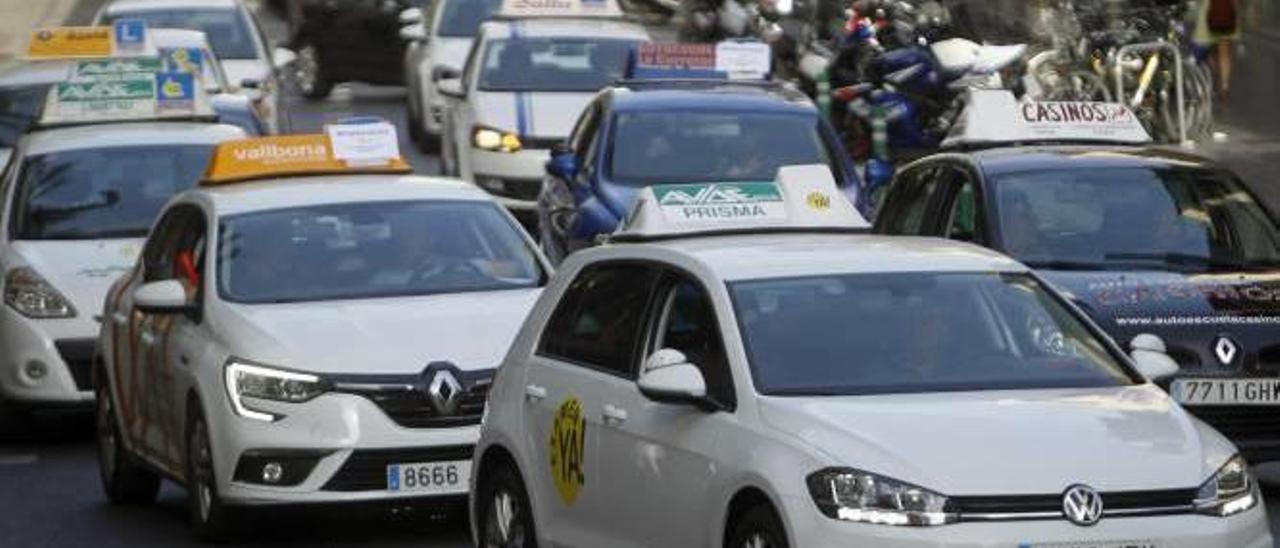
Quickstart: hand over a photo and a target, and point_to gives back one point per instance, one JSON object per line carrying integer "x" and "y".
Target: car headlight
{"x": 853, "y": 495}
{"x": 1230, "y": 491}
{"x": 266, "y": 383}
{"x": 27, "y": 292}
{"x": 495, "y": 140}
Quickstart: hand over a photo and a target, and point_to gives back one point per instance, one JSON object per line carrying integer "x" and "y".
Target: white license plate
{"x": 430, "y": 478}
{"x": 1096, "y": 544}
{"x": 1226, "y": 391}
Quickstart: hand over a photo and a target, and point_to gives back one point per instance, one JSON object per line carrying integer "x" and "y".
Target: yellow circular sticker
{"x": 818, "y": 201}
{"x": 568, "y": 432}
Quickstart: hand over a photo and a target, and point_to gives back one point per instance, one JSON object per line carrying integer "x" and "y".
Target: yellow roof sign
{"x": 71, "y": 43}
{"x": 288, "y": 156}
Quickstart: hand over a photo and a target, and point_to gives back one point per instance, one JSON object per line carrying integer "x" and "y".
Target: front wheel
{"x": 505, "y": 518}
{"x": 211, "y": 519}
{"x": 124, "y": 480}
{"x": 759, "y": 527}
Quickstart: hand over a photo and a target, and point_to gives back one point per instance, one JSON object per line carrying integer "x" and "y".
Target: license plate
{"x": 1096, "y": 544}
{"x": 430, "y": 478}
{"x": 1226, "y": 391}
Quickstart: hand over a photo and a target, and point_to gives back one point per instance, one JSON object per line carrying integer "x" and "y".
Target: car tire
{"x": 758, "y": 527}
{"x": 504, "y": 515}
{"x": 426, "y": 142}
{"x": 309, "y": 74}
{"x": 124, "y": 479}
{"x": 210, "y": 518}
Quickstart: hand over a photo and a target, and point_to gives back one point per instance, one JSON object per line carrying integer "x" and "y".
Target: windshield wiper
{"x": 44, "y": 213}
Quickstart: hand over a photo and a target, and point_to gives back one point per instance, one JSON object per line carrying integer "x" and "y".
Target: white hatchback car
{"x": 314, "y": 339}
{"x": 790, "y": 386}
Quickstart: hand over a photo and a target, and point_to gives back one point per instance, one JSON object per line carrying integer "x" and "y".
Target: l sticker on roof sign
{"x": 183, "y": 60}
{"x": 721, "y": 203}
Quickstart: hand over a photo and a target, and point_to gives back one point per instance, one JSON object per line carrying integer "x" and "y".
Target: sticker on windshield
{"x": 568, "y": 434}
{"x": 721, "y": 203}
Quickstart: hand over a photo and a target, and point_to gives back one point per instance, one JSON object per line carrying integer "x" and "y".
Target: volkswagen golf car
{"x": 740, "y": 368}
{"x": 301, "y": 331}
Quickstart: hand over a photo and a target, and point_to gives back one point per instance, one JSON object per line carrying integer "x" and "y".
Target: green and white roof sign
{"x": 721, "y": 203}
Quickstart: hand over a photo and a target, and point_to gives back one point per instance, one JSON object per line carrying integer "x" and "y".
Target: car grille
{"x": 78, "y": 355}
{"x": 406, "y": 399}
{"x": 1029, "y": 507}
{"x": 366, "y": 469}
{"x": 1253, "y": 428}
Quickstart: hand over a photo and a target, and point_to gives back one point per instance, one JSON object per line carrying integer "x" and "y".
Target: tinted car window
{"x": 915, "y": 332}
{"x": 229, "y": 33}
{"x": 598, "y": 320}
{"x": 666, "y": 147}
{"x": 369, "y": 250}
{"x": 907, "y": 203}
{"x": 462, "y": 18}
{"x": 688, "y": 323}
{"x": 18, "y": 107}
{"x": 96, "y": 193}
{"x": 553, "y": 64}
{"x": 1127, "y": 217}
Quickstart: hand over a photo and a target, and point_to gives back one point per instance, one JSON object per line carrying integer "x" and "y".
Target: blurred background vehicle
{"x": 345, "y": 41}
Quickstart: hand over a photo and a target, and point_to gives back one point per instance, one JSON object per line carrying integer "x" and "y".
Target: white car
{"x": 774, "y": 385}
{"x": 76, "y": 207}
{"x": 234, "y": 34}
{"x": 309, "y": 339}
{"x": 520, "y": 93}
{"x": 439, "y": 41}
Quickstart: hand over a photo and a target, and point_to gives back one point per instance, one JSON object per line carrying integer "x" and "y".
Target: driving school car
{"x": 1144, "y": 239}
{"x": 309, "y": 325}
{"x": 693, "y": 113}
{"x": 530, "y": 72}
{"x": 740, "y": 367}
{"x": 82, "y": 189}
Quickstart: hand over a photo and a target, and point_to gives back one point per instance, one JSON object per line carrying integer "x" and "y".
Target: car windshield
{"x": 371, "y": 250}
{"x": 18, "y": 107}
{"x": 669, "y": 147}
{"x": 113, "y": 192}
{"x": 462, "y": 18}
{"x": 228, "y": 32}
{"x": 1124, "y": 218}
{"x": 553, "y": 64}
{"x": 915, "y": 332}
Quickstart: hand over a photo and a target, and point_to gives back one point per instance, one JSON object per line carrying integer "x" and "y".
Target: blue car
{"x": 642, "y": 133}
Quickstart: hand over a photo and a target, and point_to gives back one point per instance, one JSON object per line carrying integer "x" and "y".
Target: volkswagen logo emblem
{"x": 444, "y": 391}
{"x": 1082, "y": 505}
{"x": 1225, "y": 350}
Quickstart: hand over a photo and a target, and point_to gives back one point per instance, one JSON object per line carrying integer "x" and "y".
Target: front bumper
{"x": 345, "y": 439}
{"x": 514, "y": 178}
{"x": 1247, "y": 530}
{"x": 63, "y": 348}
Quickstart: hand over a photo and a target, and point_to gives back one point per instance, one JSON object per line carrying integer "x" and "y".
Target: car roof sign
{"x": 513, "y": 9}
{"x": 127, "y": 37}
{"x": 731, "y": 60}
{"x": 996, "y": 117}
{"x": 124, "y": 90}
{"x": 351, "y": 150}
{"x": 803, "y": 198}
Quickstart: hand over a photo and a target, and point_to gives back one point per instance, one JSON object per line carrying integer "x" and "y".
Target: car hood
{"x": 1010, "y": 442}
{"x": 1189, "y": 311}
{"x": 381, "y": 336}
{"x": 81, "y": 270}
{"x": 544, "y": 115}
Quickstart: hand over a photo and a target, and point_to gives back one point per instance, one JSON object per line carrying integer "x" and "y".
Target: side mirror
{"x": 411, "y": 16}
{"x": 162, "y": 297}
{"x": 413, "y": 33}
{"x": 1151, "y": 357}
{"x": 563, "y": 163}
{"x": 251, "y": 83}
{"x": 668, "y": 377}
{"x": 445, "y": 73}
{"x": 283, "y": 57}
{"x": 452, "y": 87}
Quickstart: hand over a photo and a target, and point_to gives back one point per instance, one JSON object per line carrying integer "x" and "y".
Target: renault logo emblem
{"x": 1225, "y": 350}
{"x": 1082, "y": 505}
{"x": 444, "y": 391}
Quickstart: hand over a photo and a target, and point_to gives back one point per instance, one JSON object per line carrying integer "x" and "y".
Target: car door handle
{"x": 614, "y": 414}
{"x": 535, "y": 393}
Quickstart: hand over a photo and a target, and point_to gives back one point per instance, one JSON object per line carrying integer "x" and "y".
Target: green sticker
{"x": 128, "y": 90}
{"x": 717, "y": 193}
{"x": 114, "y": 67}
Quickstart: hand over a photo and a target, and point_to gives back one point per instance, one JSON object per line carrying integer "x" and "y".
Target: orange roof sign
{"x": 292, "y": 156}
{"x": 71, "y": 43}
